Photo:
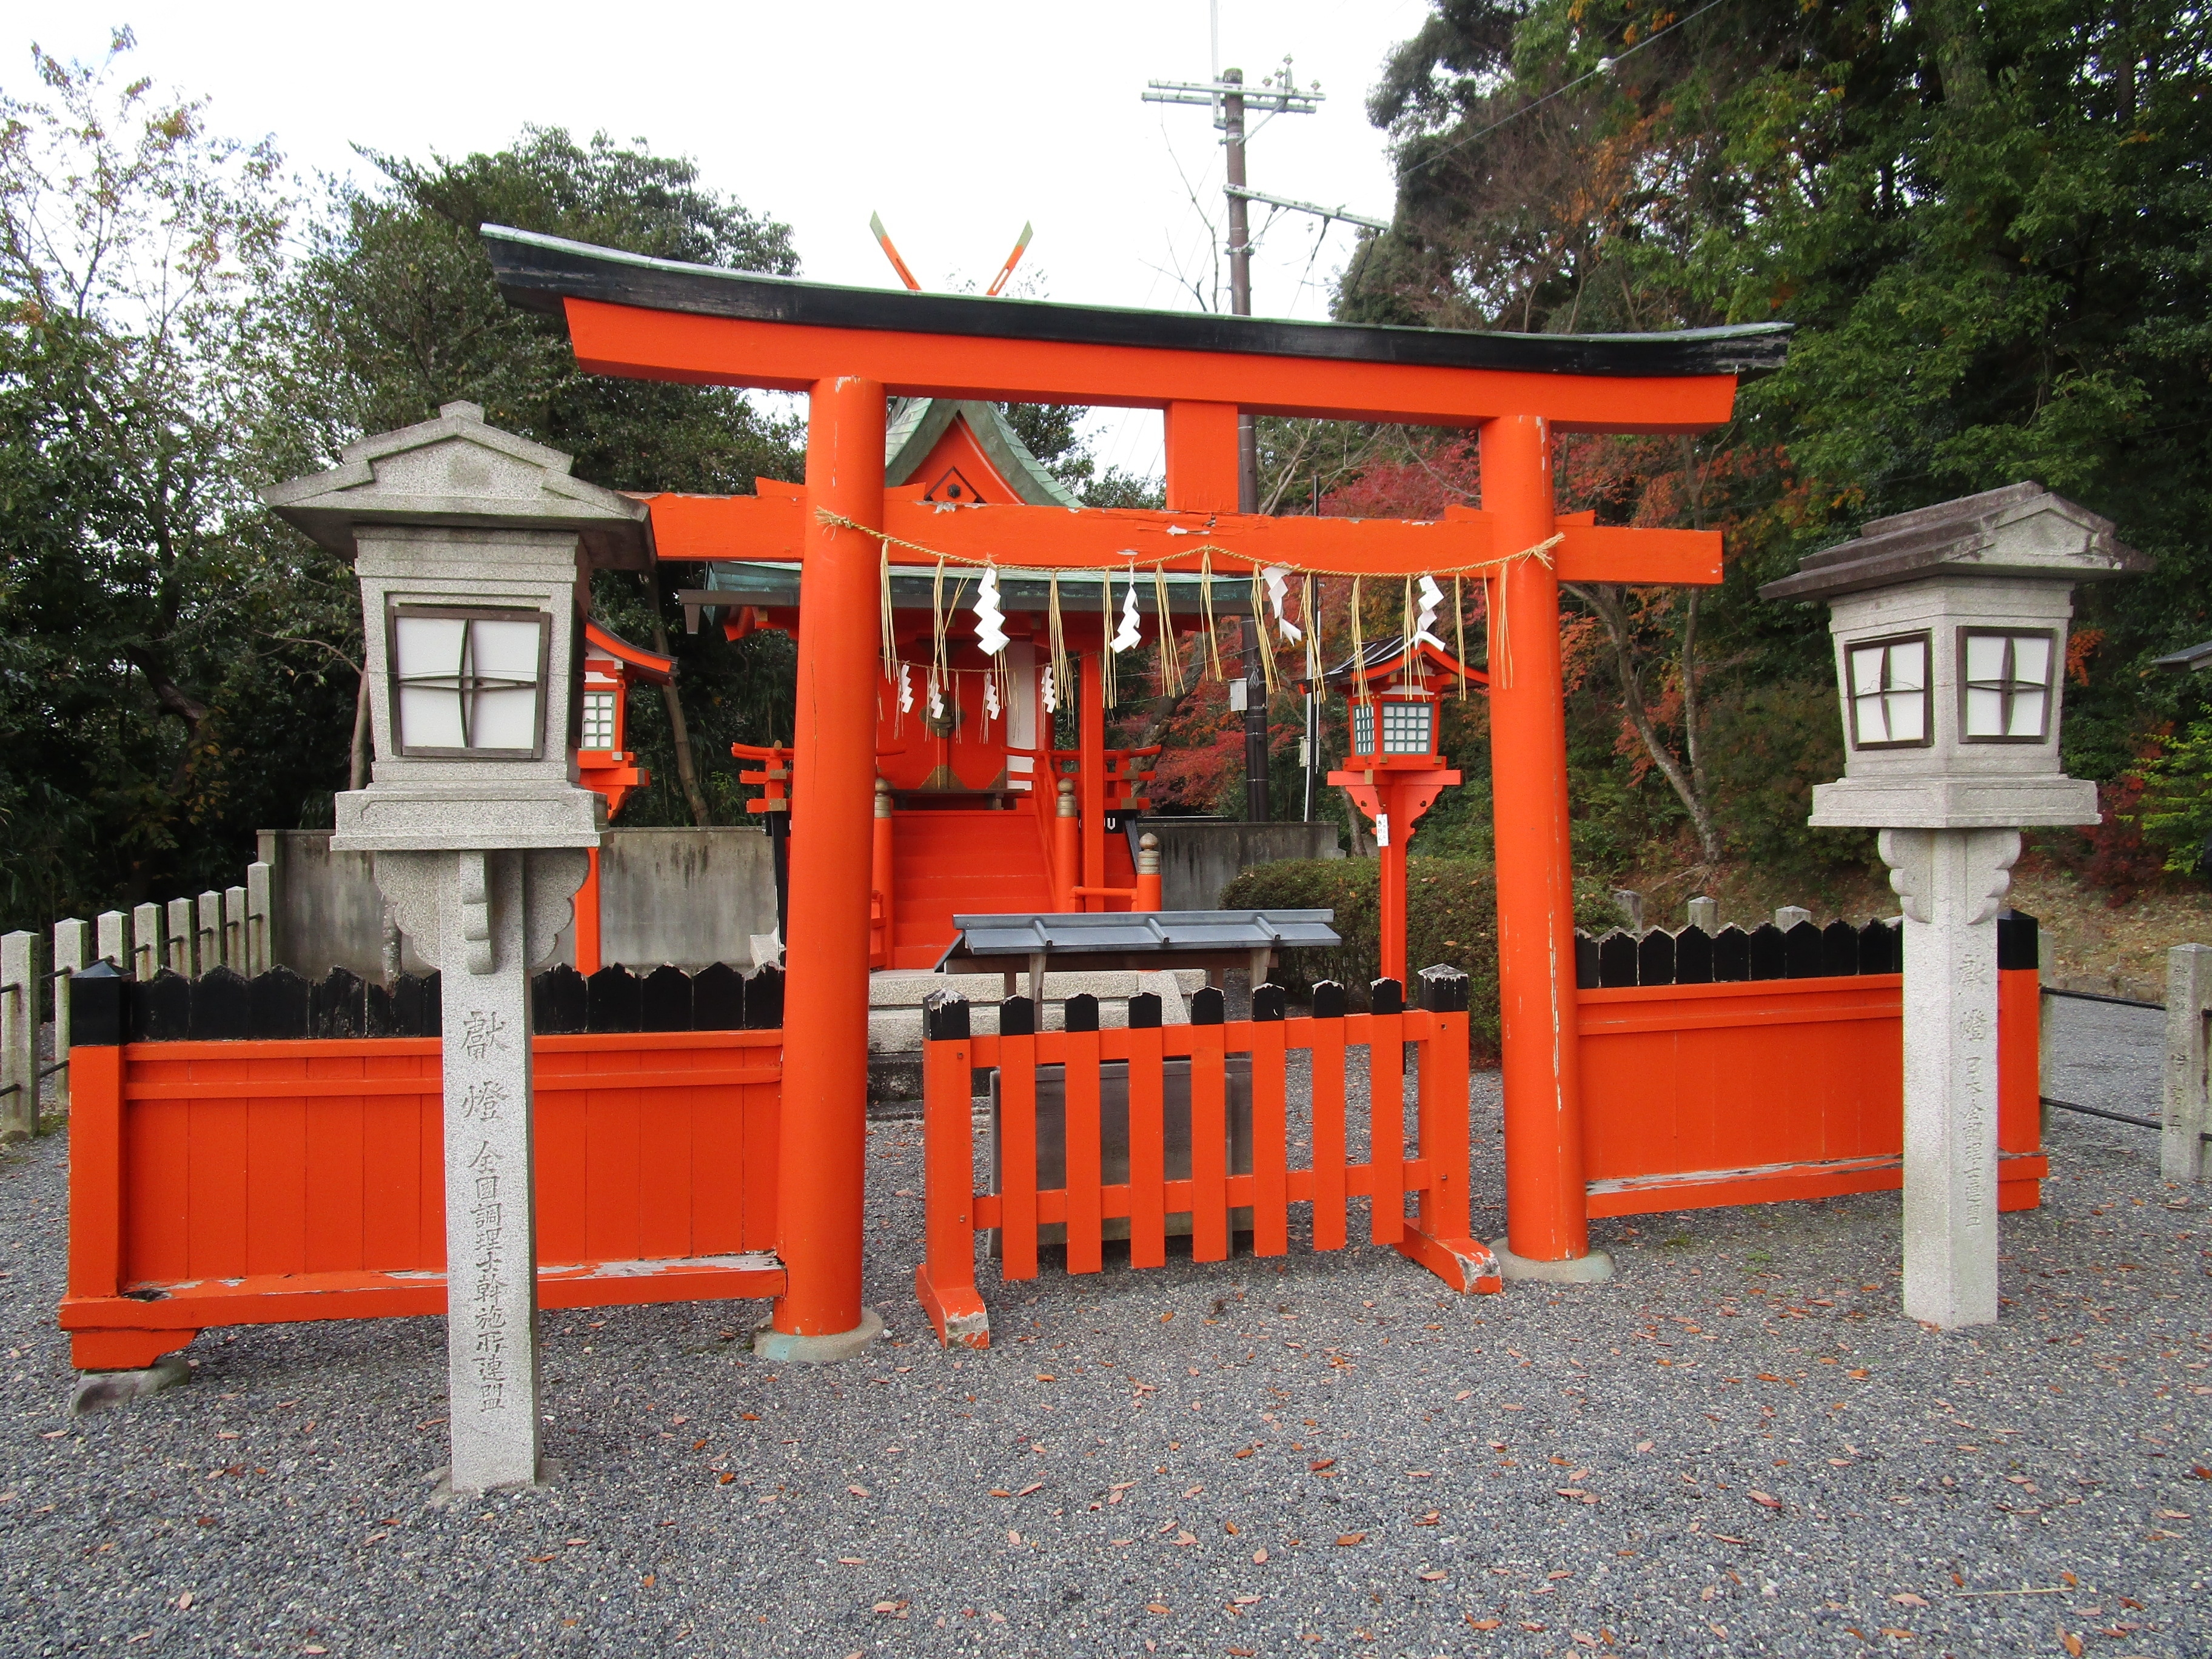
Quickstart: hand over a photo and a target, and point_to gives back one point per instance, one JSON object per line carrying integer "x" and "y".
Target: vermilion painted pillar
{"x": 1090, "y": 774}
{"x": 825, "y": 1053}
{"x": 1391, "y": 890}
{"x": 1547, "y": 1213}
{"x": 587, "y": 920}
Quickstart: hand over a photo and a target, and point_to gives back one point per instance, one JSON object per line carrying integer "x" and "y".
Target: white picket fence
{"x": 229, "y": 929}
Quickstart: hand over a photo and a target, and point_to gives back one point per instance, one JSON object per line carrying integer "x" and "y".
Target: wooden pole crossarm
{"x": 687, "y": 528}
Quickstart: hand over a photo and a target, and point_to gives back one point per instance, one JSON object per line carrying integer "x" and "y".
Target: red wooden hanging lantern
{"x": 1393, "y": 768}
{"x": 603, "y": 763}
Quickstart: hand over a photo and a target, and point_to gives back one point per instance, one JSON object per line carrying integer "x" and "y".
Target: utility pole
{"x": 1228, "y": 97}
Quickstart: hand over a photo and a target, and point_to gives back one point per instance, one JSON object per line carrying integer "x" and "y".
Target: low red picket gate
{"x": 1435, "y": 1173}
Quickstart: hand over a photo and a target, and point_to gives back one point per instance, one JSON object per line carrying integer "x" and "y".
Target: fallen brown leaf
{"x": 1907, "y": 1599}
{"x": 1481, "y": 1624}
{"x": 1350, "y": 1538}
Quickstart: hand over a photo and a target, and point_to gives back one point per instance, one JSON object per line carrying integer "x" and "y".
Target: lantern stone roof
{"x": 538, "y": 272}
{"x": 2023, "y": 529}
{"x": 456, "y": 470}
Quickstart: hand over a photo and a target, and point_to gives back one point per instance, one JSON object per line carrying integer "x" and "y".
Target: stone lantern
{"x": 474, "y": 549}
{"x": 1950, "y": 636}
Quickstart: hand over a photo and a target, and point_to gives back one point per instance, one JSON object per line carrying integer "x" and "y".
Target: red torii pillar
{"x": 823, "y": 1157}
{"x": 1546, "y": 1210}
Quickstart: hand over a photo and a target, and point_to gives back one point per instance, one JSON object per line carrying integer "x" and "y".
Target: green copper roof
{"x": 916, "y": 424}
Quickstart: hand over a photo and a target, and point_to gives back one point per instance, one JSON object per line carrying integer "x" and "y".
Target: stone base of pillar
{"x": 1592, "y": 1269}
{"x": 97, "y": 1389}
{"x": 442, "y": 1493}
{"x": 781, "y": 1345}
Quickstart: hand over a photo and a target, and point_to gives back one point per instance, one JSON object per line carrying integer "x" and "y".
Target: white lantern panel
{"x": 1405, "y": 727}
{"x": 467, "y": 681}
{"x": 1363, "y": 728}
{"x": 1889, "y": 692}
{"x": 2006, "y": 677}
{"x": 598, "y": 720}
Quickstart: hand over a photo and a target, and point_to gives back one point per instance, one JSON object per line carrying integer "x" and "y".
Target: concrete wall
{"x": 1199, "y": 856}
{"x": 326, "y": 909}
{"x": 690, "y": 897}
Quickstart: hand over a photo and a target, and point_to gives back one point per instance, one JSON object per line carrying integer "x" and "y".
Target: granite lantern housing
{"x": 1950, "y": 632}
{"x": 473, "y": 547}
{"x": 1950, "y": 637}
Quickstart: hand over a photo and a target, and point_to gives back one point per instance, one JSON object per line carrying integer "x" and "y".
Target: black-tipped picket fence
{"x": 1693, "y": 957}
{"x": 224, "y": 1007}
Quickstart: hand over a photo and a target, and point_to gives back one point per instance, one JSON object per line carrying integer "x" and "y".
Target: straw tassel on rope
{"x": 1459, "y": 635}
{"x": 1213, "y": 627}
{"x": 1359, "y": 647}
{"x": 1267, "y": 673}
{"x": 1171, "y": 663}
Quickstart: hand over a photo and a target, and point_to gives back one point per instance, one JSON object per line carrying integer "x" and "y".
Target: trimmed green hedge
{"x": 1452, "y": 916}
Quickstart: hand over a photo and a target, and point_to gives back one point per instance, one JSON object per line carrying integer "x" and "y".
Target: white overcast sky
{"x": 956, "y": 122}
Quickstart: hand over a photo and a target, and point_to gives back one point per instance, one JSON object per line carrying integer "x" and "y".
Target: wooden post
{"x": 884, "y": 851}
{"x": 945, "y": 1280}
{"x": 1066, "y": 848}
{"x": 234, "y": 931}
{"x": 2019, "y": 1044}
{"x": 145, "y": 941}
{"x": 260, "y": 920}
{"x": 19, "y": 1035}
{"x": 1392, "y": 832}
{"x": 1147, "y": 896}
{"x": 822, "y": 1158}
{"x": 1548, "y": 1218}
{"x": 2186, "y": 1116}
{"x": 180, "y": 939}
{"x": 114, "y": 943}
{"x": 72, "y": 955}
{"x": 586, "y": 925}
{"x": 1091, "y": 772}
{"x": 207, "y": 932}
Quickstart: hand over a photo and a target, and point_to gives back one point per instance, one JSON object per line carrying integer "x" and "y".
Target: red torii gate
{"x": 849, "y": 349}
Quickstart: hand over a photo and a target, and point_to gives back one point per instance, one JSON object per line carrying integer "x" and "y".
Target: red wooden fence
{"x": 1698, "y": 1095}
{"x": 1435, "y": 1173}
{"x": 258, "y": 1183}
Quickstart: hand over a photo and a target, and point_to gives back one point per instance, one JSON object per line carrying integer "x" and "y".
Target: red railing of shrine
{"x": 1085, "y": 1078}
{"x": 262, "y": 1182}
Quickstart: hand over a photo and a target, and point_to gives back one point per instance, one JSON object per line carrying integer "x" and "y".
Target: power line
{"x": 1605, "y": 66}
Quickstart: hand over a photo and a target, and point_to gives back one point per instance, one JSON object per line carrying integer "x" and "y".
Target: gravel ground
{"x": 1738, "y": 1446}
{"x": 2104, "y": 1055}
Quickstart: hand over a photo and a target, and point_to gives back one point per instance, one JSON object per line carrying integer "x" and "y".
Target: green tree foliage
{"x": 394, "y": 311}
{"x": 159, "y": 702}
{"x": 1990, "y": 226}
